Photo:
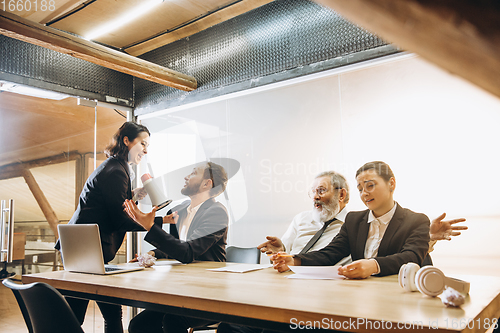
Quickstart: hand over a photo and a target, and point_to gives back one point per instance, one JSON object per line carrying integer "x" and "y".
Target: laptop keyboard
{"x": 111, "y": 269}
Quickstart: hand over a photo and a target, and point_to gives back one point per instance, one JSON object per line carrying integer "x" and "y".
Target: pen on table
{"x": 281, "y": 255}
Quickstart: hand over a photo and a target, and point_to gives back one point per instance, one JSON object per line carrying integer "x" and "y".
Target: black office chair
{"x": 22, "y": 306}
{"x": 44, "y": 309}
{"x": 242, "y": 255}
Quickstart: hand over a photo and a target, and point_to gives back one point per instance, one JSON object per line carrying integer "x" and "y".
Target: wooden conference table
{"x": 268, "y": 299}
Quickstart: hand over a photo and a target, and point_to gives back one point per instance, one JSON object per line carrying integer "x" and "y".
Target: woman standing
{"x": 101, "y": 202}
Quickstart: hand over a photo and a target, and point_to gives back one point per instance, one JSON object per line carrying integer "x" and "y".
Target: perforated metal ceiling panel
{"x": 57, "y": 71}
{"x": 277, "y": 41}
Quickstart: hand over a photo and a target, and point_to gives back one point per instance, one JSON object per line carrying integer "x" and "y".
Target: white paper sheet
{"x": 168, "y": 262}
{"x": 241, "y": 268}
{"x": 316, "y": 273}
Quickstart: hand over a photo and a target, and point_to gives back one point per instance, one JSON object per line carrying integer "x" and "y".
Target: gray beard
{"x": 327, "y": 213}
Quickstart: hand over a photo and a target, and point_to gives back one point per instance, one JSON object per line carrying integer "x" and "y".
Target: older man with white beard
{"x": 314, "y": 229}
{"x": 310, "y": 230}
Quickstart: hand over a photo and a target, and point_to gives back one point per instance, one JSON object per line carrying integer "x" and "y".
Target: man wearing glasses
{"x": 314, "y": 229}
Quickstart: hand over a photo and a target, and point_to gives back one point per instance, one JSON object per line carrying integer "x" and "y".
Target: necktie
{"x": 316, "y": 236}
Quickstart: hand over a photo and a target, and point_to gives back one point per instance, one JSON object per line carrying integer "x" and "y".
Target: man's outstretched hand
{"x": 145, "y": 220}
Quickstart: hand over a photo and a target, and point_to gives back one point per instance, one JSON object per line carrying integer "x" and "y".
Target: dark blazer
{"x": 206, "y": 237}
{"x": 101, "y": 202}
{"x": 406, "y": 239}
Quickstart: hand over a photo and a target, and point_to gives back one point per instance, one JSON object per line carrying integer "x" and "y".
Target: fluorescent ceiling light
{"x": 128, "y": 17}
{"x": 31, "y": 91}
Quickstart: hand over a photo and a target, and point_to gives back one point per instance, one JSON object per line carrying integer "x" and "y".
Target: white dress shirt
{"x": 304, "y": 227}
{"x": 191, "y": 212}
{"x": 131, "y": 173}
{"x": 378, "y": 226}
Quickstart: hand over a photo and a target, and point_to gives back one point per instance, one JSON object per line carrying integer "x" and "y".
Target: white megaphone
{"x": 152, "y": 186}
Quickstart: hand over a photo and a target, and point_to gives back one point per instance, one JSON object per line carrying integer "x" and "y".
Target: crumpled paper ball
{"x": 451, "y": 297}
{"x": 146, "y": 260}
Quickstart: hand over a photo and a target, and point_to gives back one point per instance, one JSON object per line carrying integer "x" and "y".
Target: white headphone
{"x": 429, "y": 280}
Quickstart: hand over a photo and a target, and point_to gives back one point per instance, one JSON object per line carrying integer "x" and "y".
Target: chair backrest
{"x": 245, "y": 255}
{"x": 22, "y": 306}
{"x": 47, "y": 310}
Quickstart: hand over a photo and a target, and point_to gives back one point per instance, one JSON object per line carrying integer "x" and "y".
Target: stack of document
{"x": 316, "y": 272}
{"x": 241, "y": 268}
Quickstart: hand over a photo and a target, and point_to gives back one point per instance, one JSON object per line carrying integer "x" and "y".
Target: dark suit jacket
{"x": 406, "y": 239}
{"x": 101, "y": 202}
{"x": 206, "y": 237}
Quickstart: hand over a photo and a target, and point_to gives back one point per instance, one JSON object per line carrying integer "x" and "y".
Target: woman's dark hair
{"x": 381, "y": 168}
{"x": 117, "y": 147}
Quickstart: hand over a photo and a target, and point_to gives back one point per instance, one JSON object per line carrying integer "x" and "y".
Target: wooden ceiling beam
{"x": 19, "y": 28}
{"x": 16, "y": 169}
{"x": 460, "y": 36}
{"x": 62, "y": 10}
{"x": 42, "y": 201}
{"x": 196, "y": 26}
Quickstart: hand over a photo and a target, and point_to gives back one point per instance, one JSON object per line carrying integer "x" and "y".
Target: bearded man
{"x": 199, "y": 232}
{"x": 314, "y": 229}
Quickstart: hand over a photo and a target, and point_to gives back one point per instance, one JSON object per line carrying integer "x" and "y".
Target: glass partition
{"x": 46, "y": 156}
{"x": 47, "y": 153}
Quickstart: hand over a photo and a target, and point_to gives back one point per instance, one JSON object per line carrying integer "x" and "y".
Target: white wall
{"x": 437, "y": 132}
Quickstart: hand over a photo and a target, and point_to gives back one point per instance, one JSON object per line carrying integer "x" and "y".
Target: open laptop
{"x": 82, "y": 252}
